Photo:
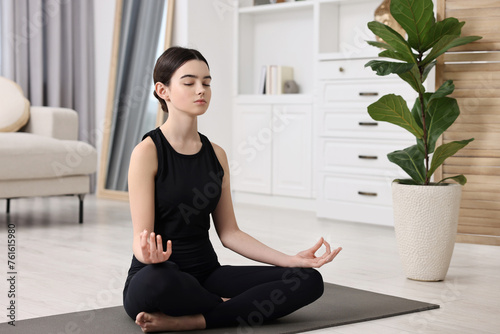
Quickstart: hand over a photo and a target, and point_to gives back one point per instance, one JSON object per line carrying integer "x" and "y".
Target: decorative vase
{"x": 383, "y": 15}
{"x": 425, "y": 222}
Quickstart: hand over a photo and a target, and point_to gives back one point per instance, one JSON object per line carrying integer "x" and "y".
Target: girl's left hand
{"x": 308, "y": 259}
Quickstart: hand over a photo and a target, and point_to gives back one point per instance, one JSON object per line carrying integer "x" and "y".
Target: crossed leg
{"x": 162, "y": 298}
{"x": 260, "y": 293}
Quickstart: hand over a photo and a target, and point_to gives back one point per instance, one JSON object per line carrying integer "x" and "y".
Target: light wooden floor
{"x": 65, "y": 267}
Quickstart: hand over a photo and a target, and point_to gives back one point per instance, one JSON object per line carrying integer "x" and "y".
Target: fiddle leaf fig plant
{"x": 412, "y": 59}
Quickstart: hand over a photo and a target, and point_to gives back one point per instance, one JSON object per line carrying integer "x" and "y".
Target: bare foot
{"x": 159, "y": 322}
{"x": 152, "y": 322}
{"x": 225, "y": 299}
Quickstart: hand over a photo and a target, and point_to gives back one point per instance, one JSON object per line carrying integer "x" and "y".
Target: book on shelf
{"x": 266, "y": 2}
{"x": 273, "y": 78}
{"x": 262, "y": 81}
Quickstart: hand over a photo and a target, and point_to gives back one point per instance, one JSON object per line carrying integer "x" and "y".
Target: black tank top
{"x": 187, "y": 190}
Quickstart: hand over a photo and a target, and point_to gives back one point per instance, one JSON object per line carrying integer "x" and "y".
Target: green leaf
{"x": 380, "y": 45}
{"x": 461, "y": 179}
{"x": 416, "y": 17}
{"x": 448, "y": 26}
{"x": 445, "y": 43}
{"x": 445, "y": 151}
{"x": 394, "y": 55}
{"x": 411, "y": 160}
{"x": 416, "y": 111}
{"x": 406, "y": 181}
{"x": 417, "y": 115}
{"x": 392, "y": 38}
{"x": 442, "y": 112}
{"x": 413, "y": 78}
{"x": 446, "y": 89}
{"x": 427, "y": 69}
{"x": 386, "y": 67}
{"x": 393, "y": 109}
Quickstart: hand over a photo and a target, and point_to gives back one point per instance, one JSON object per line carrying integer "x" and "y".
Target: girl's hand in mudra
{"x": 152, "y": 248}
{"x": 308, "y": 259}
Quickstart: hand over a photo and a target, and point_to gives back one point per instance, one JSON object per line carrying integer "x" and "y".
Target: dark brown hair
{"x": 173, "y": 58}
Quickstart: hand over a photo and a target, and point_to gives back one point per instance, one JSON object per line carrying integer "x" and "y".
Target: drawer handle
{"x": 364, "y": 193}
{"x": 368, "y": 123}
{"x": 368, "y": 93}
{"x": 368, "y": 157}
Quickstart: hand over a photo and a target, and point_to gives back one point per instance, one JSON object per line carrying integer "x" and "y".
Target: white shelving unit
{"x": 283, "y": 7}
{"x": 330, "y": 153}
{"x": 278, "y": 34}
{"x": 298, "y": 34}
{"x": 273, "y": 133}
{"x": 341, "y": 28}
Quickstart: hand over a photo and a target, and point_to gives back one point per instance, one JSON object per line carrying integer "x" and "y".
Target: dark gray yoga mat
{"x": 339, "y": 305}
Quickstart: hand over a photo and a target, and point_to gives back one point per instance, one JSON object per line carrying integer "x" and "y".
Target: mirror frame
{"x": 106, "y": 139}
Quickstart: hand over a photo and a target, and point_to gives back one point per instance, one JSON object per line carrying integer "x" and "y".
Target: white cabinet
{"x": 354, "y": 172}
{"x": 292, "y": 151}
{"x": 252, "y": 142}
{"x": 273, "y": 150}
{"x": 272, "y": 140}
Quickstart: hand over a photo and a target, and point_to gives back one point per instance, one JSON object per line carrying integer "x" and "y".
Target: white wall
{"x": 208, "y": 27}
{"x": 104, "y": 18}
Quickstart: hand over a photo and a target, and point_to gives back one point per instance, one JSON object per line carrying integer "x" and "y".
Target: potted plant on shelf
{"x": 425, "y": 212}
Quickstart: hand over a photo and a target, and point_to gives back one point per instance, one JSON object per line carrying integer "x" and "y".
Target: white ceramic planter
{"x": 425, "y": 221}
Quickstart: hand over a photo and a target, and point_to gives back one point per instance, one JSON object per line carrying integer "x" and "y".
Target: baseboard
{"x": 478, "y": 239}
{"x": 284, "y": 202}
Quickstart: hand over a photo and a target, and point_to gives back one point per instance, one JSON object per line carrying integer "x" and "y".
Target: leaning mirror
{"x": 142, "y": 31}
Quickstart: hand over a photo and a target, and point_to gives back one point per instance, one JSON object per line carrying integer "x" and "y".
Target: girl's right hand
{"x": 152, "y": 249}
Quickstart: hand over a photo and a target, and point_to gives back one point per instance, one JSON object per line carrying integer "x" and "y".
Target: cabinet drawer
{"x": 358, "y": 154}
{"x": 358, "y": 125}
{"x": 366, "y": 91}
{"x": 359, "y": 190}
{"x": 345, "y": 69}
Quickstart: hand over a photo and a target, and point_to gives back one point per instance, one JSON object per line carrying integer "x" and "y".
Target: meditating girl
{"x": 177, "y": 179}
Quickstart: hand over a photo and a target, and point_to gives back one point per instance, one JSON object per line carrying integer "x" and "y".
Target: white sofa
{"x": 44, "y": 157}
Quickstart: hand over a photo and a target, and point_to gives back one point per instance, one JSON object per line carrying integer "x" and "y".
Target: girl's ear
{"x": 162, "y": 91}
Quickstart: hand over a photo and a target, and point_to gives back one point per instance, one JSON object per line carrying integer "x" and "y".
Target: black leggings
{"x": 258, "y": 293}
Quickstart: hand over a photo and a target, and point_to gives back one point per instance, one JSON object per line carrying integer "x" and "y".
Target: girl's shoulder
{"x": 145, "y": 152}
{"x": 219, "y": 151}
{"x": 221, "y": 156}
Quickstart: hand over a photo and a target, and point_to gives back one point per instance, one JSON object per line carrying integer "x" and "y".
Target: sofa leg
{"x": 8, "y": 205}
{"x": 80, "y": 213}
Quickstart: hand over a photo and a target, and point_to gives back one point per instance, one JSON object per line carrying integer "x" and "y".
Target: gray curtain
{"x": 141, "y": 26}
{"x": 48, "y": 49}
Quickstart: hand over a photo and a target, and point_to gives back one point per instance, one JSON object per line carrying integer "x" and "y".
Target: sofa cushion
{"x": 14, "y": 107}
{"x": 28, "y": 156}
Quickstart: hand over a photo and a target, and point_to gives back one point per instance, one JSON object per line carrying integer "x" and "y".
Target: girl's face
{"x": 189, "y": 91}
